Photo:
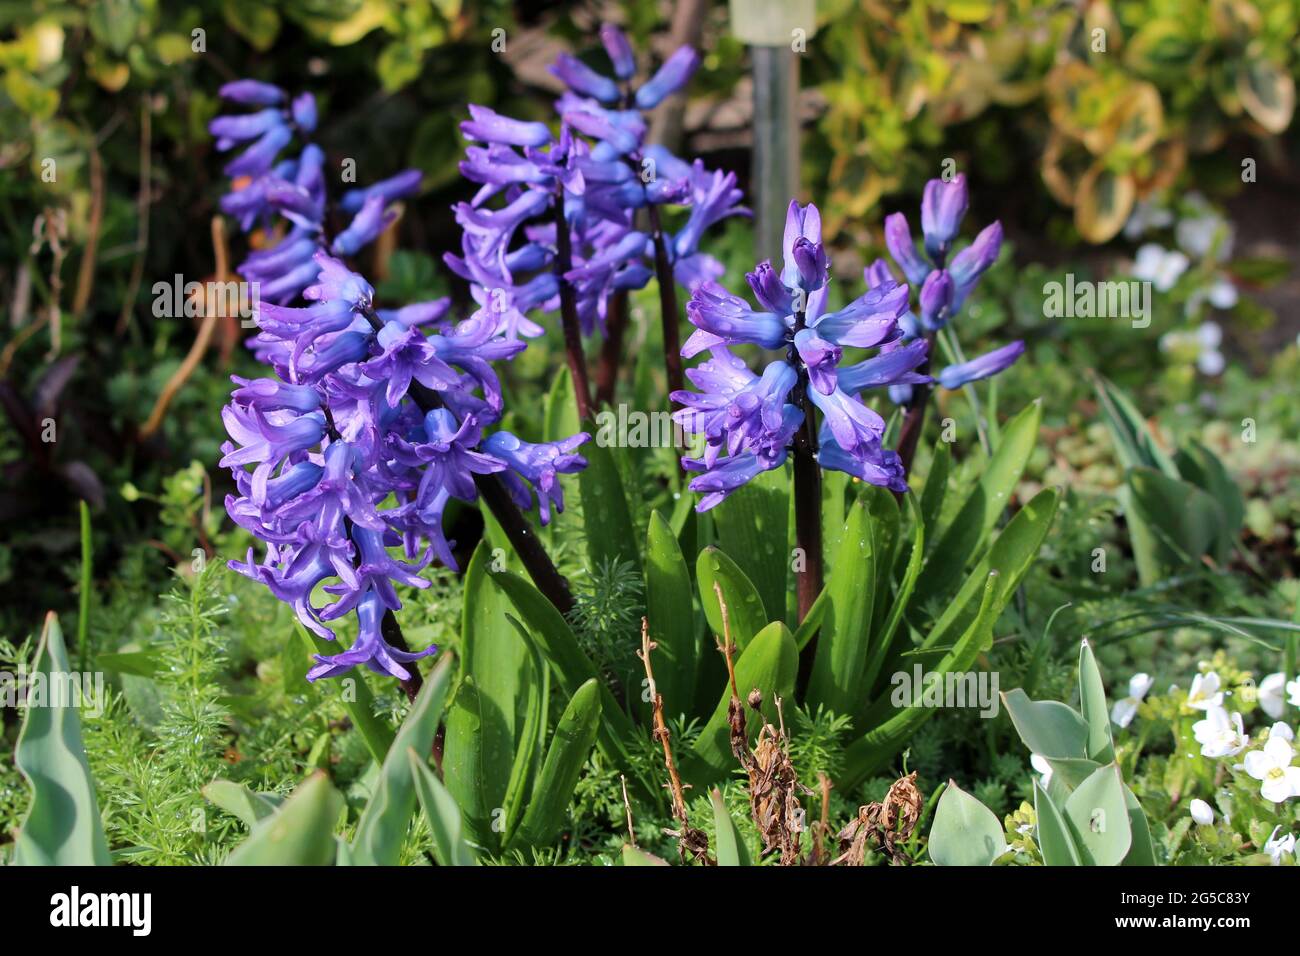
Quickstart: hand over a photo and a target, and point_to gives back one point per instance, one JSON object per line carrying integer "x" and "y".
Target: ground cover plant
{"x": 415, "y": 455}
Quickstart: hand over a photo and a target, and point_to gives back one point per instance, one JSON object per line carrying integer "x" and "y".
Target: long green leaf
{"x": 670, "y": 617}
{"x": 239, "y": 801}
{"x": 383, "y": 824}
{"x": 883, "y": 643}
{"x": 62, "y": 826}
{"x": 731, "y": 849}
{"x": 1054, "y": 840}
{"x": 607, "y": 520}
{"x": 442, "y": 815}
{"x": 752, "y": 529}
{"x": 574, "y": 736}
{"x": 875, "y": 748}
{"x": 300, "y": 833}
{"x": 842, "y": 645}
{"x": 981, "y": 510}
{"x": 482, "y": 732}
{"x": 570, "y": 664}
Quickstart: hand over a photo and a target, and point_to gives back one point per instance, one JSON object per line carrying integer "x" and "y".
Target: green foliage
{"x": 1117, "y": 98}
{"x": 1086, "y": 815}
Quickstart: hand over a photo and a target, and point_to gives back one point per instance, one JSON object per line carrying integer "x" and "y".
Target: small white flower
{"x": 1223, "y": 294}
{"x": 1270, "y": 696}
{"x": 1293, "y": 687}
{"x": 1043, "y": 767}
{"x": 1205, "y": 693}
{"x": 1272, "y": 767}
{"x": 1159, "y": 266}
{"x": 1275, "y": 847}
{"x": 1211, "y": 363}
{"x": 1126, "y": 708}
{"x": 1280, "y": 729}
{"x": 1220, "y": 735}
{"x": 1202, "y": 813}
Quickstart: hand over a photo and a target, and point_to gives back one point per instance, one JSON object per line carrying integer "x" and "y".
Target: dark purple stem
{"x": 667, "y": 305}
{"x": 569, "y": 312}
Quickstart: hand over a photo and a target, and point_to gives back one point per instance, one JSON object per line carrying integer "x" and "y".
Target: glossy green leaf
{"x": 442, "y": 815}
{"x": 882, "y": 644}
{"x": 300, "y": 833}
{"x": 730, "y": 848}
{"x": 843, "y": 642}
{"x": 570, "y": 664}
{"x": 812, "y": 621}
{"x": 1092, "y": 699}
{"x": 1143, "y": 850}
{"x": 606, "y": 518}
{"x": 770, "y": 663}
{"x": 964, "y": 832}
{"x": 1097, "y": 816}
{"x": 570, "y": 746}
{"x": 670, "y": 617}
{"x": 483, "y": 725}
{"x": 239, "y": 801}
{"x": 1054, "y": 840}
{"x": 746, "y": 613}
{"x": 384, "y": 822}
{"x": 982, "y": 508}
{"x": 531, "y": 734}
{"x": 62, "y": 826}
{"x": 936, "y": 489}
{"x": 1011, "y": 555}
{"x": 894, "y": 720}
{"x": 752, "y": 529}
{"x": 1135, "y": 445}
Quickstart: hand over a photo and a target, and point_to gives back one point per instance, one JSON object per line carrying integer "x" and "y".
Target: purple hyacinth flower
{"x": 404, "y": 184}
{"x": 583, "y": 80}
{"x": 252, "y": 93}
{"x": 540, "y": 465}
{"x": 730, "y": 473}
{"x": 991, "y": 363}
{"x": 869, "y": 320}
{"x": 820, "y": 357}
{"x": 369, "y": 648}
{"x": 943, "y": 204}
{"x": 875, "y": 465}
{"x": 364, "y": 228}
{"x": 488, "y": 126}
{"x": 936, "y": 299}
{"x": 969, "y": 264}
{"x": 675, "y": 73}
{"x": 898, "y": 239}
{"x": 303, "y": 111}
{"x": 894, "y": 367}
{"x": 619, "y": 51}
{"x": 721, "y": 318}
{"x": 748, "y": 424}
